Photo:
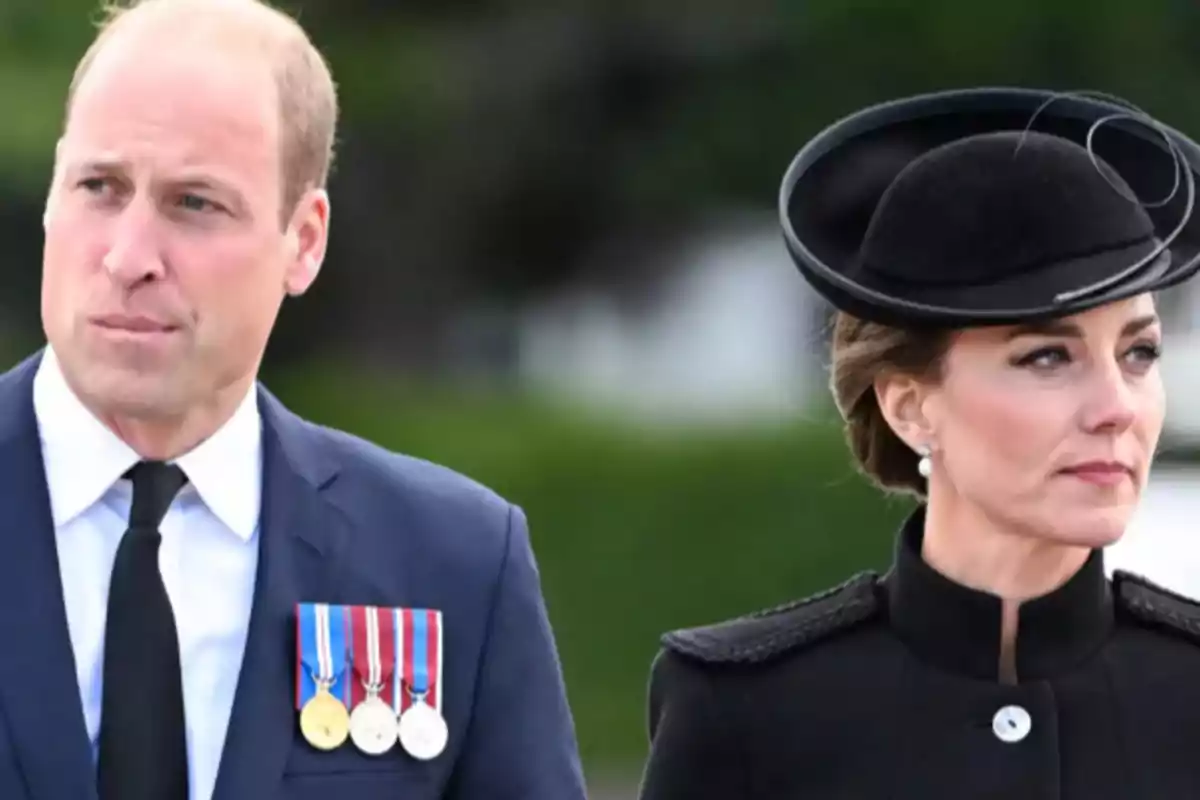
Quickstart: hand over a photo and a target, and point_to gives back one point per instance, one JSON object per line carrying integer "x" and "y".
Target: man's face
{"x": 165, "y": 258}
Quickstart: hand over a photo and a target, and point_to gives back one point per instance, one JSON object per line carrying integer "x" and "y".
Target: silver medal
{"x": 423, "y": 732}
{"x": 373, "y": 726}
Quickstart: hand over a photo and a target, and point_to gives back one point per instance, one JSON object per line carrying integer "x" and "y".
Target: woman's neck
{"x": 969, "y": 548}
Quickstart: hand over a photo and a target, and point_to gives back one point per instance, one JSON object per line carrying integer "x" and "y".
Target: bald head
{"x": 238, "y": 30}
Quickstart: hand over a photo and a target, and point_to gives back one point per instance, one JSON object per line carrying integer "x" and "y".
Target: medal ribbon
{"x": 421, "y": 655}
{"x": 434, "y": 698}
{"x": 321, "y": 645}
{"x": 374, "y": 635}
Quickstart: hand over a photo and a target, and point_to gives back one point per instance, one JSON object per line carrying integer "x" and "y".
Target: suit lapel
{"x": 38, "y": 687}
{"x": 300, "y": 538}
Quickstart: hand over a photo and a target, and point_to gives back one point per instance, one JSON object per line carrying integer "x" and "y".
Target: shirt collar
{"x": 84, "y": 458}
{"x": 958, "y": 628}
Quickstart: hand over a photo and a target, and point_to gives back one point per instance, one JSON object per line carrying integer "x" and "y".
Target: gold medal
{"x": 324, "y": 720}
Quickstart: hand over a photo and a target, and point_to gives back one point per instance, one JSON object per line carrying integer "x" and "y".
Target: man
{"x": 153, "y": 641}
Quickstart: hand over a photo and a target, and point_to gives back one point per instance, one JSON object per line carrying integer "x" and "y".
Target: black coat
{"x": 887, "y": 687}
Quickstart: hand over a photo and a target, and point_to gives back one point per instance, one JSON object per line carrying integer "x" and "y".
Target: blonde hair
{"x": 308, "y": 104}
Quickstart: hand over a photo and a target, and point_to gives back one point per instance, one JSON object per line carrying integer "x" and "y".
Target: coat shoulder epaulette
{"x": 764, "y": 635}
{"x": 1155, "y": 606}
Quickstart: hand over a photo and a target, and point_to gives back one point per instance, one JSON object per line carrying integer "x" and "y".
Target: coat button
{"x": 1011, "y": 724}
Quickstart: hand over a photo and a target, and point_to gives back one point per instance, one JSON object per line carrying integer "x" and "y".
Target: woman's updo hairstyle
{"x": 860, "y": 352}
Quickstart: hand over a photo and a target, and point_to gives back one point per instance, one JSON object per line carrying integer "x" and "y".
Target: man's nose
{"x": 134, "y": 254}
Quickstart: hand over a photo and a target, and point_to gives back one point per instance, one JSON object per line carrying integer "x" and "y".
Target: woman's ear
{"x": 902, "y": 401}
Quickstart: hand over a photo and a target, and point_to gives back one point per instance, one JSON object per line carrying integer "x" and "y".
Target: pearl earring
{"x": 925, "y": 465}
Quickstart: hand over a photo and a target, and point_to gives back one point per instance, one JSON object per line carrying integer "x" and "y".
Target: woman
{"x": 994, "y": 354}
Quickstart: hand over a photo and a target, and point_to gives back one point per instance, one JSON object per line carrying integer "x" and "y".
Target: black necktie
{"x": 143, "y": 745}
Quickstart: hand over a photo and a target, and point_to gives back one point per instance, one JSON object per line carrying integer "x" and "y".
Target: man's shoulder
{"x": 375, "y": 474}
{"x": 398, "y": 507}
{"x": 16, "y": 382}
{"x": 368, "y": 460}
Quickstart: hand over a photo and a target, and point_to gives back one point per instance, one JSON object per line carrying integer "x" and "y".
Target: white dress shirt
{"x": 208, "y": 555}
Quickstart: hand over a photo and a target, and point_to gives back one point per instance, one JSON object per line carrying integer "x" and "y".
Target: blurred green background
{"x": 524, "y": 188}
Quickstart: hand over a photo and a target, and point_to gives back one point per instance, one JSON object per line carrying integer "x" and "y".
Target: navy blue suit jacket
{"x": 343, "y": 521}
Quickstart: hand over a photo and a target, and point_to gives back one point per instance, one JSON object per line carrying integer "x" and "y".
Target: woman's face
{"x": 1050, "y": 430}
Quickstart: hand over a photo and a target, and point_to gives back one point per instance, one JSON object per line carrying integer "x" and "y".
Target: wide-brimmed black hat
{"x": 991, "y": 206}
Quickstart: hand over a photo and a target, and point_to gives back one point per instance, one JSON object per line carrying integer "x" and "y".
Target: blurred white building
{"x": 730, "y": 337}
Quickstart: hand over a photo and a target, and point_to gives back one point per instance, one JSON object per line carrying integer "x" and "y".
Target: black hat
{"x": 991, "y": 206}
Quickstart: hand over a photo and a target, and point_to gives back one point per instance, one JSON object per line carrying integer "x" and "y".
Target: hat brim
{"x": 833, "y": 185}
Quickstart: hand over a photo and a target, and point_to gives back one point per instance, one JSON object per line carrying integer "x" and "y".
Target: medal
{"x": 373, "y": 726}
{"x": 421, "y": 729}
{"x": 373, "y": 722}
{"x": 324, "y": 720}
{"x": 423, "y": 732}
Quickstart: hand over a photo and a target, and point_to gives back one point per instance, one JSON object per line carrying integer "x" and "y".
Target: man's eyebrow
{"x": 99, "y": 164}
{"x": 186, "y": 179}
{"x": 195, "y": 181}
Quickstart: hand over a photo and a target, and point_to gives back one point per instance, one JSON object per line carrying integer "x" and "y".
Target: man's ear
{"x": 308, "y": 237}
